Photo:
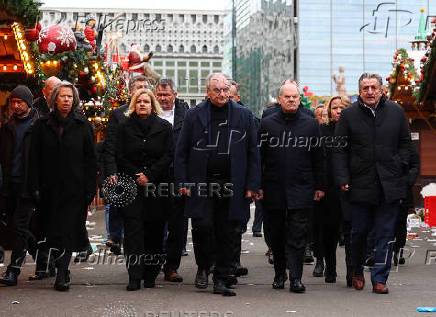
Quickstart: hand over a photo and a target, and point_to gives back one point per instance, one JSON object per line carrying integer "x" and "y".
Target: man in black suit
{"x": 173, "y": 110}
{"x": 110, "y": 167}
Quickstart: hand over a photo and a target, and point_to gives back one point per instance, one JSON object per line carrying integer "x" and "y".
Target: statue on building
{"x": 90, "y": 32}
{"x": 340, "y": 82}
{"x": 138, "y": 64}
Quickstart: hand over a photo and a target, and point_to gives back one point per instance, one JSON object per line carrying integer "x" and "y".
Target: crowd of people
{"x": 340, "y": 170}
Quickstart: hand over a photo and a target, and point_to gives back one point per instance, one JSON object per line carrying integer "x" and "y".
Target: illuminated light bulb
{"x": 55, "y": 62}
{"x": 23, "y": 47}
{"x": 407, "y": 88}
{"x": 4, "y": 67}
{"x": 48, "y": 62}
{"x": 399, "y": 88}
{"x": 30, "y": 71}
{"x": 15, "y": 67}
{"x": 29, "y": 66}
{"x": 5, "y": 37}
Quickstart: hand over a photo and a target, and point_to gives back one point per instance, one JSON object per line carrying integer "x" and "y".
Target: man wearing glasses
{"x": 217, "y": 165}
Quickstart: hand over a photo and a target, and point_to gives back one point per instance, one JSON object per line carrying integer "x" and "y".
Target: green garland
{"x": 116, "y": 90}
{"x": 404, "y": 60}
{"x": 419, "y": 94}
{"x": 25, "y": 11}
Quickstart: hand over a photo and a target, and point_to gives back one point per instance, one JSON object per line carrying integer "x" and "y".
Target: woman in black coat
{"x": 330, "y": 208}
{"x": 144, "y": 151}
{"x": 63, "y": 177}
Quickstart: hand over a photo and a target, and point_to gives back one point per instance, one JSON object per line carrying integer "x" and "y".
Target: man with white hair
{"x": 217, "y": 165}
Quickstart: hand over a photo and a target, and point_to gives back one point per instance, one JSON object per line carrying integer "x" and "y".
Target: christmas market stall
{"x": 412, "y": 84}
{"x": 19, "y": 56}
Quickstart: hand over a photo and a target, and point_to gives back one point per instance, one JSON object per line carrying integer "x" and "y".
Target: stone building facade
{"x": 187, "y": 45}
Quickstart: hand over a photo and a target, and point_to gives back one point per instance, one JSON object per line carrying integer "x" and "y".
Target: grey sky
{"x": 161, "y": 4}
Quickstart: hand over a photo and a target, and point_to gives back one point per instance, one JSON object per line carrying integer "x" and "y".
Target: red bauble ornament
{"x": 94, "y": 90}
{"x": 31, "y": 34}
{"x": 38, "y": 26}
{"x": 424, "y": 59}
{"x": 56, "y": 39}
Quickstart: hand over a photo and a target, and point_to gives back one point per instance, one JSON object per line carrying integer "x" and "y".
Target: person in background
{"x": 63, "y": 172}
{"x": 318, "y": 113}
{"x": 329, "y": 212}
{"x": 16, "y": 202}
{"x": 41, "y": 103}
{"x": 144, "y": 151}
{"x": 173, "y": 111}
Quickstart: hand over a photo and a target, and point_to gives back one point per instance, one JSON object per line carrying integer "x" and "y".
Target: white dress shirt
{"x": 168, "y": 115}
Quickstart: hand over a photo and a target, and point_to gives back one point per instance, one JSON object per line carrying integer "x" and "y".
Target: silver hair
{"x": 134, "y": 79}
{"x": 54, "y": 96}
{"x": 283, "y": 86}
{"x": 211, "y": 76}
{"x": 370, "y": 76}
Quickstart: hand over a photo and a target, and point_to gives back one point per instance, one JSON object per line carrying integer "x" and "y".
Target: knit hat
{"x": 23, "y": 93}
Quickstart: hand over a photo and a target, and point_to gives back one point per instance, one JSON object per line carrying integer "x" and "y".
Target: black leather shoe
{"x": 401, "y": 261}
{"x": 116, "y": 248}
{"x": 134, "y": 285}
{"x": 308, "y": 257}
{"x": 9, "y": 279}
{"x": 62, "y": 282}
{"x": 279, "y": 281}
{"x": 240, "y": 271}
{"x": 230, "y": 281}
{"x": 83, "y": 255}
{"x": 201, "y": 279}
{"x": 219, "y": 287}
{"x": 149, "y": 284}
{"x": 330, "y": 278}
{"x": 318, "y": 271}
{"x": 297, "y": 287}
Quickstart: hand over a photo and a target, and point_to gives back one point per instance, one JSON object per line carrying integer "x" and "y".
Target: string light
{"x": 22, "y": 48}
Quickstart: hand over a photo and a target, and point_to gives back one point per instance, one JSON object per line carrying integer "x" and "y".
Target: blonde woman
{"x": 144, "y": 151}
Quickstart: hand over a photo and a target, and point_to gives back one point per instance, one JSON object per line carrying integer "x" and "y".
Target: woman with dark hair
{"x": 144, "y": 151}
{"x": 330, "y": 207}
{"x": 63, "y": 177}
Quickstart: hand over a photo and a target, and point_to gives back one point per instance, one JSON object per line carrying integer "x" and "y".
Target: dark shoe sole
{"x": 298, "y": 291}
{"x": 7, "y": 283}
{"x": 201, "y": 286}
{"x": 225, "y": 293}
{"x": 62, "y": 287}
{"x": 174, "y": 280}
{"x": 241, "y": 271}
{"x": 278, "y": 286}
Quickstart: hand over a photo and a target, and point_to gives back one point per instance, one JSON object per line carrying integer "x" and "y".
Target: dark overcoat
{"x": 150, "y": 152}
{"x": 192, "y": 155}
{"x": 64, "y": 170}
{"x": 292, "y": 160}
{"x": 375, "y": 156}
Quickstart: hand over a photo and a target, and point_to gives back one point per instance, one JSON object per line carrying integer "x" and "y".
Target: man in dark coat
{"x": 292, "y": 178}
{"x": 277, "y": 107}
{"x": 174, "y": 111}
{"x": 370, "y": 169}
{"x": 217, "y": 152}
{"x": 41, "y": 103}
{"x": 15, "y": 200}
{"x": 110, "y": 166}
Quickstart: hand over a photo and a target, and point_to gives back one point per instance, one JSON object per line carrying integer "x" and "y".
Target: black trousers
{"x": 21, "y": 210}
{"x": 214, "y": 236}
{"x": 288, "y": 237}
{"x": 401, "y": 227}
{"x": 176, "y": 233}
{"x": 316, "y": 230}
{"x": 143, "y": 236}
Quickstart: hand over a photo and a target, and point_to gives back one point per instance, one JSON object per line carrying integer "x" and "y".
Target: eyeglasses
{"x": 224, "y": 90}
